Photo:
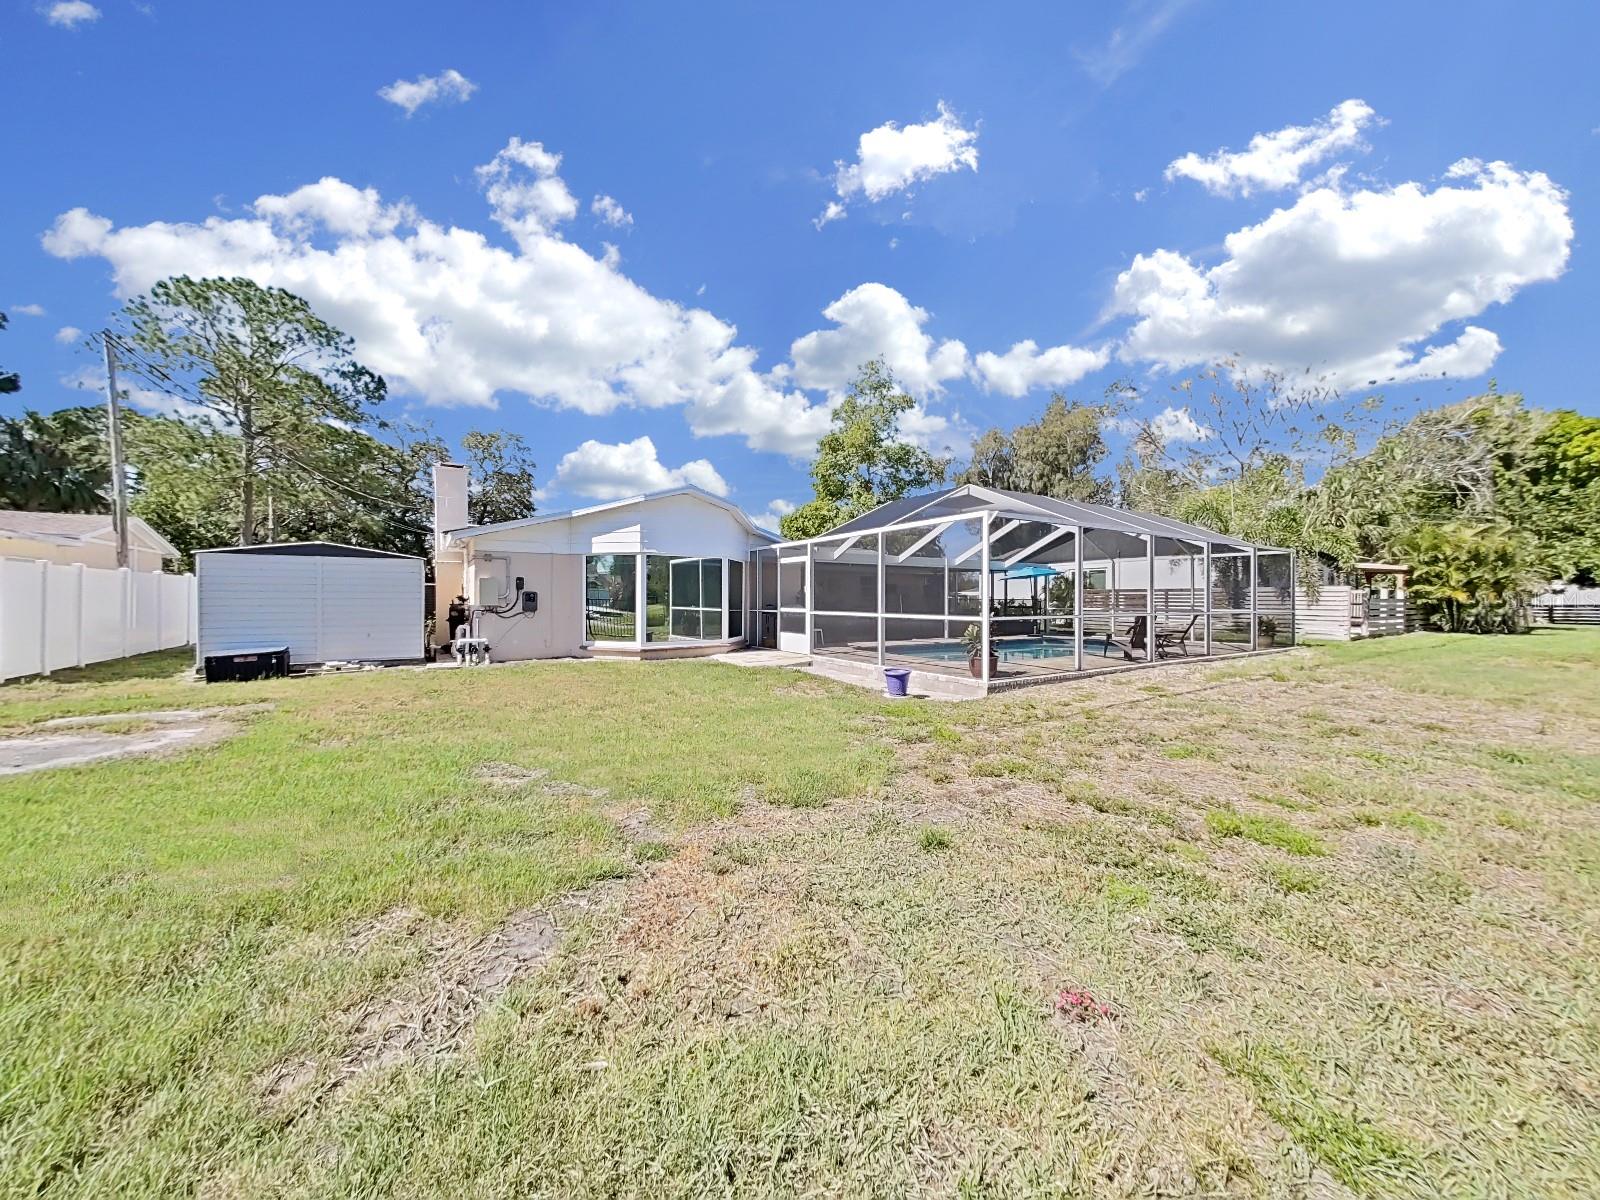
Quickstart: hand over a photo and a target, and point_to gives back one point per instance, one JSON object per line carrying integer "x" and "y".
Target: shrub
{"x": 1471, "y": 578}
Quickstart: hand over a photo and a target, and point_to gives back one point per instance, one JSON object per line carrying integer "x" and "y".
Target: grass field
{"x": 1322, "y": 924}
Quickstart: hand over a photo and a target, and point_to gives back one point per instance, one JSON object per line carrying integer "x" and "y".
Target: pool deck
{"x": 949, "y": 681}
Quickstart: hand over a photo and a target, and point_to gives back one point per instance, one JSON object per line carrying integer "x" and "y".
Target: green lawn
{"x": 1342, "y": 908}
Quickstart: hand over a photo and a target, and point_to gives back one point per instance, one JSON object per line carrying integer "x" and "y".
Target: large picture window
{"x": 695, "y": 598}
{"x": 683, "y": 598}
{"x": 610, "y": 597}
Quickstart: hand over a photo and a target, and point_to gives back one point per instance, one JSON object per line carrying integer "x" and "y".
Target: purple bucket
{"x": 895, "y": 680}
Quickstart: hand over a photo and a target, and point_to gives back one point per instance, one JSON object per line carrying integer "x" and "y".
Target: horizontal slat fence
{"x": 1565, "y": 614}
{"x": 1574, "y": 606}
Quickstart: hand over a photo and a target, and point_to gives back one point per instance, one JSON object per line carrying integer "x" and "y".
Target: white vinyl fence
{"x": 55, "y": 615}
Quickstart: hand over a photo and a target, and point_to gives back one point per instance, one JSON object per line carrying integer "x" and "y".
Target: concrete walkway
{"x": 764, "y": 658}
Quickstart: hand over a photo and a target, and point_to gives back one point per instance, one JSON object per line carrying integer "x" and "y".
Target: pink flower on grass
{"x": 1081, "y": 1006}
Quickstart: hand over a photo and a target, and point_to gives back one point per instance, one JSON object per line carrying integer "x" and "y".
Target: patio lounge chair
{"x": 1130, "y": 641}
{"x": 1175, "y": 639}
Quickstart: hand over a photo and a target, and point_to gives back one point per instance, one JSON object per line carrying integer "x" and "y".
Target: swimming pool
{"x": 1009, "y": 649}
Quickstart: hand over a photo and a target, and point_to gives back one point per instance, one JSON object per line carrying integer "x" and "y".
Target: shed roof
{"x": 307, "y": 550}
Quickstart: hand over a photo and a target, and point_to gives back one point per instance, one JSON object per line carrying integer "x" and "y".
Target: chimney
{"x": 449, "y": 499}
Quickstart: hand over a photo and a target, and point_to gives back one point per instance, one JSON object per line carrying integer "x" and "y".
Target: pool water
{"x": 1009, "y": 649}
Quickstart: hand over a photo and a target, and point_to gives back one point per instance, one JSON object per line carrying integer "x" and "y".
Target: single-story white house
{"x": 86, "y": 538}
{"x": 647, "y": 576}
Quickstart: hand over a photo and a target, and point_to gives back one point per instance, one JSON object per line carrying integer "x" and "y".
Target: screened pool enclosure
{"x": 1006, "y": 587}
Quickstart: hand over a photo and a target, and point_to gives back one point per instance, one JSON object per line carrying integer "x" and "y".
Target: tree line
{"x": 272, "y": 431}
{"x": 1487, "y": 499}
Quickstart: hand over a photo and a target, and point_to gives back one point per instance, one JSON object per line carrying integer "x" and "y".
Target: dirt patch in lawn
{"x": 76, "y": 741}
{"x": 512, "y": 777}
{"x": 433, "y": 1009}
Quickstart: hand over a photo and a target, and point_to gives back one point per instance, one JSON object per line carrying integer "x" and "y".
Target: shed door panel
{"x": 371, "y": 608}
{"x": 255, "y": 600}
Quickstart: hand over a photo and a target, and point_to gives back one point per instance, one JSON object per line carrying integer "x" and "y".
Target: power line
{"x": 185, "y": 392}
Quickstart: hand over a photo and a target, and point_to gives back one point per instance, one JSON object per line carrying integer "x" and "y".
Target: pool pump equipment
{"x": 468, "y": 646}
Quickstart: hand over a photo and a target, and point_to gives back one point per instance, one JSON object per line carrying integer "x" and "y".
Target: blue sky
{"x": 1082, "y": 177}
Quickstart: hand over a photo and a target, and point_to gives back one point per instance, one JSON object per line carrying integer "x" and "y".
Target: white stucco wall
{"x": 549, "y": 556}
{"x": 556, "y": 630}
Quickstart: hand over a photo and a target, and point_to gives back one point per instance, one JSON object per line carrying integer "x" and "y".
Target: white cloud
{"x": 69, "y": 14}
{"x": 1146, "y": 20}
{"x": 1176, "y": 425}
{"x": 1353, "y": 285}
{"x": 891, "y": 158}
{"x": 336, "y": 206}
{"x": 946, "y": 437}
{"x": 1025, "y": 367}
{"x": 68, "y": 334}
{"x": 605, "y": 471}
{"x": 527, "y": 197}
{"x": 1277, "y": 160}
{"x": 92, "y": 378}
{"x": 608, "y": 210}
{"x": 833, "y": 212}
{"x": 411, "y": 94}
{"x": 875, "y": 321}
{"x": 28, "y": 310}
{"x": 446, "y": 314}
{"x": 773, "y": 517}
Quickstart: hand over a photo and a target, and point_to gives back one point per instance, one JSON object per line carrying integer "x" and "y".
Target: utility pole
{"x": 119, "y": 479}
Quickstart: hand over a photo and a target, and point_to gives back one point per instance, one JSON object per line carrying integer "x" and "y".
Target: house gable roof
{"x": 470, "y": 531}
{"x": 73, "y": 529}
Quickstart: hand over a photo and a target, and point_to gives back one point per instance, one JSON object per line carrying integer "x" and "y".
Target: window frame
{"x": 641, "y": 622}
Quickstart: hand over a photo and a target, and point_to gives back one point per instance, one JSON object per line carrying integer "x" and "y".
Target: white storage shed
{"x": 324, "y": 601}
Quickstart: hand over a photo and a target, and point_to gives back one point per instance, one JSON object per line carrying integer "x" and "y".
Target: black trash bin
{"x": 233, "y": 666}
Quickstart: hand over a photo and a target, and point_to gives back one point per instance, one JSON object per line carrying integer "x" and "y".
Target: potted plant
{"x": 1268, "y": 629}
{"x": 972, "y": 639}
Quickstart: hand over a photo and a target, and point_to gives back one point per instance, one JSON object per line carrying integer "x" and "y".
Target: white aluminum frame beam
{"x": 922, "y": 541}
{"x": 983, "y": 543}
{"x": 1058, "y": 532}
{"x": 847, "y": 543}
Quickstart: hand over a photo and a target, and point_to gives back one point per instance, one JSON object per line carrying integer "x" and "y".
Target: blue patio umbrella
{"x": 1030, "y": 571}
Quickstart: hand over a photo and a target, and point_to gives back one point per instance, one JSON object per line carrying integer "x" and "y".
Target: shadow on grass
{"x": 161, "y": 664}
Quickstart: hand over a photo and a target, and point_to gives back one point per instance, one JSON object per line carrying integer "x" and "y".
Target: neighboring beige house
{"x": 86, "y": 538}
